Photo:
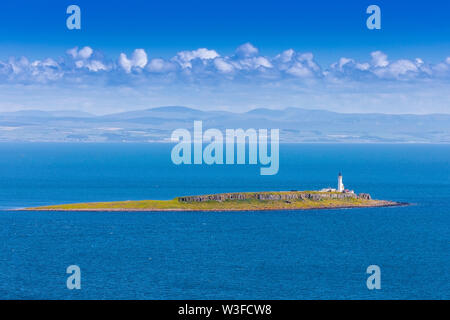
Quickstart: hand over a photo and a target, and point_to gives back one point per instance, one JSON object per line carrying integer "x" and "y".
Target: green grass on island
{"x": 322, "y": 200}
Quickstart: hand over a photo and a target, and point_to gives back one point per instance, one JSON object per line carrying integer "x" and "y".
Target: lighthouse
{"x": 340, "y": 184}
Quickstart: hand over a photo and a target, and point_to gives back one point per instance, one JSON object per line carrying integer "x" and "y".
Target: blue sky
{"x": 408, "y": 54}
{"x": 328, "y": 28}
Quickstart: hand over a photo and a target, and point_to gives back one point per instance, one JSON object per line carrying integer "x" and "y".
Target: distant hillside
{"x": 157, "y": 124}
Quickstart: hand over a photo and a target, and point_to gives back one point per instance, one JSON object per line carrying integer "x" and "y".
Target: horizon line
{"x": 221, "y": 110}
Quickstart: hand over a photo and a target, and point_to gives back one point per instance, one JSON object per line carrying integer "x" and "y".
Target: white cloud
{"x": 397, "y": 69}
{"x": 96, "y": 65}
{"x": 308, "y": 60}
{"x": 92, "y": 65}
{"x": 247, "y": 50}
{"x": 300, "y": 65}
{"x": 73, "y": 52}
{"x": 247, "y": 58}
{"x": 84, "y": 53}
{"x": 299, "y": 70}
{"x": 125, "y": 63}
{"x": 381, "y": 68}
{"x": 347, "y": 65}
{"x": 379, "y": 59}
{"x": 160, "y": 66}
{"x": 223, "y": 66}
{"x": 184, "y": 58}
{"x": 138, "y": 60}
{"x": 252, "y": 63}
{"x": 344, "y": 61}
{"x": 285, "y": 56}
{"x": 84, "y": 58}
{"x": 261, "y": 62}
{"x": 20, "y": 65}
{"x": 22, "y": 70}
{"x": 401, "y": 67}
{"x": 441, "y": 69}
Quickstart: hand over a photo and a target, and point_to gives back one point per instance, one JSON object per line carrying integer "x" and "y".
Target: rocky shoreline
{"x": 275, "y": 196}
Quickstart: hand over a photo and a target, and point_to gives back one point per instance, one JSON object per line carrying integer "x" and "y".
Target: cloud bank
{"x": 84, "y": 78}
{"x": 83, "y": 64}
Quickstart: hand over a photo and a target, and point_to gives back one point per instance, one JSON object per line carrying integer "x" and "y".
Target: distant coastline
{"x": 241, "y": 201}
{"x": 296, "y": 125}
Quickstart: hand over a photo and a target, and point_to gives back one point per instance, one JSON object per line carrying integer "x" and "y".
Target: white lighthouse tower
{"x": 340, "y": 184}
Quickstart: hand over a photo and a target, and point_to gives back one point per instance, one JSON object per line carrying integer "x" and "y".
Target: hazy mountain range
{"x": 157, "y": 124}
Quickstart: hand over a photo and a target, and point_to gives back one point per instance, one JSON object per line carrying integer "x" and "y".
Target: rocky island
{"x": 327, "y": 198}
{"x": 239, "y": 201}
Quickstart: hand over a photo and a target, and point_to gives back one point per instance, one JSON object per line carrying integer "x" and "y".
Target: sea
{"x": 314, "y": 254}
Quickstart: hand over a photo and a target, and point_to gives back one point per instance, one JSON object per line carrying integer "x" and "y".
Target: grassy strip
{"x": 251, "y": 204}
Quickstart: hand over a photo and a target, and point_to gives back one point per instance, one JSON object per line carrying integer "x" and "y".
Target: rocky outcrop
{"x": 274, "y": 196}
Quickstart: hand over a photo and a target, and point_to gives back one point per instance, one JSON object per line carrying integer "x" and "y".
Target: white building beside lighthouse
{"x": 340, "y": 187}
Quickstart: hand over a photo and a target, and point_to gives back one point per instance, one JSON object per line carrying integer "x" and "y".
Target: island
{"x": 238, "y": 201}
{"x": 328, "y": 198}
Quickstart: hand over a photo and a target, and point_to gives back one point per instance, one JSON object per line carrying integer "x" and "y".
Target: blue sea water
{"x": 317, "y": 254}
